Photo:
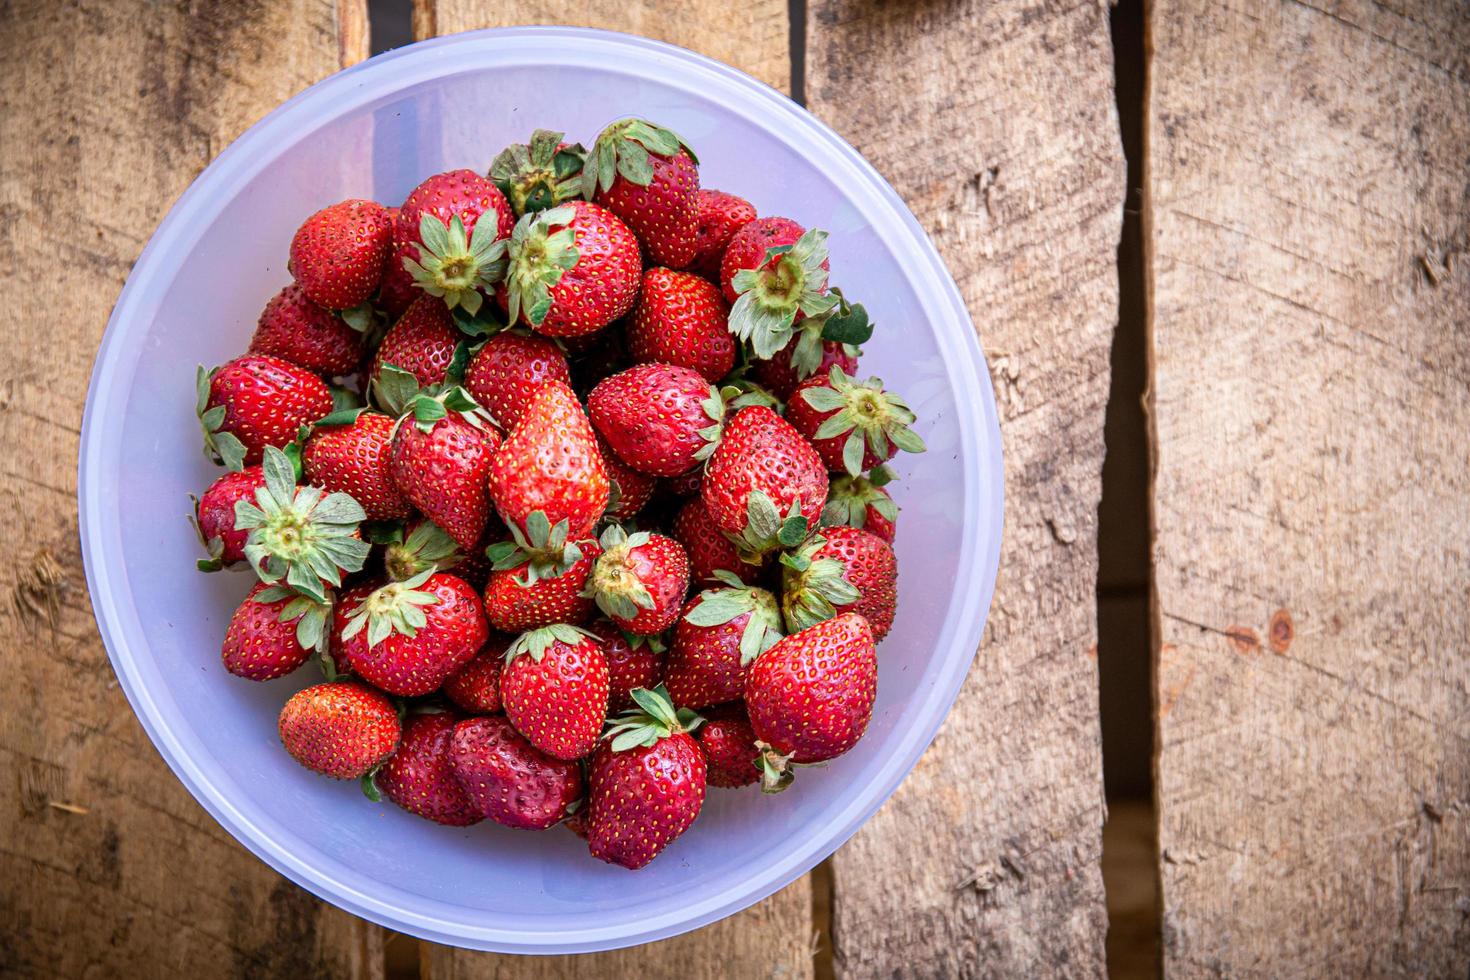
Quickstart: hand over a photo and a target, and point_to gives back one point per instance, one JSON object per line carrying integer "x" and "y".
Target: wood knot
{"x": 1281, "y": 631}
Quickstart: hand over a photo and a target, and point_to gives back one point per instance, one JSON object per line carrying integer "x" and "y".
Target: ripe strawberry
{"x": 681, "y": 319}
{"x": 721, "y": 215}
{"x": 508, "y": 779}
{"x": 645, "y": 783}
{"x": 640, "y": 580}
{"x": 339, "y": 729}
{"x": 708, "y": 549}
{"x": 348, "y": 453}
{"x": 295, "y": 329}
{"x": 420, "y": 775}
{"x": 440, "y": 458}
{"x": 506, "y": 371}
{"x": 419, "y": 546}
{"x": 572, "y": 270}
{"x": 540, "y": 174}
{"x": 337, "y": 254}
{"x": 793, "y": 364}
{"x": 774, "y": 274}
{"x": 214, "y": 517}
{"x": 516, "y": 601}
{"x": 649, "y": 177}
{"x": 629, "y": 489}
{"x": 421, "y": 343}
{"x": 719, "y": 634}
{"x": 659, "y": 419}
{"x": 861, "y": 501}
{"x": 841, "y": 570}
{"x": 475, "y": 687}
{"x": 765, "y": 484}
{"x": 273, "y": 632}
{"x": 854, "y": 425}
{"x": 810, "y": 696}
{"x": 253, "y": 402}
{"x": 632, "y": 662}
{"x": 447, "y": 242}
{"x": 554, "y": 689}
{"x": 408, "y": 637}
{"x": 398, "y": 289}
{"x": 728, "y": 743}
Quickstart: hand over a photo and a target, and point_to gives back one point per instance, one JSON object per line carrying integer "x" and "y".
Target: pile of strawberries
{"x": 539, "y": 464}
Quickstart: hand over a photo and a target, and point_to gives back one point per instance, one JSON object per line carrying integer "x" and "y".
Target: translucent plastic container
{"x": 193, "y": 297}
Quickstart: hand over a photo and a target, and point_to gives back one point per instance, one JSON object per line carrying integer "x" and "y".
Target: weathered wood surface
{"x": 996, "y": 123}
{"x": 109, "y": 867}
{"x": 1310, "y": 217}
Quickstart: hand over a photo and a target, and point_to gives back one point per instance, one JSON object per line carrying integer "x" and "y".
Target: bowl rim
{"x": 977, "y": 423}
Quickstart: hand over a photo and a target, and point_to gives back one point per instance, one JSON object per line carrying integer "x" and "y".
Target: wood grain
{"x": 996, "y": 123}
{"x": 1310, "y": 213}
{"x": 110, "y": 868}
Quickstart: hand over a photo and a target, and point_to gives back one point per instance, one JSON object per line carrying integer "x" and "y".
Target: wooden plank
{"x": 107, "y": 111}
{"x": 996, "y": 122}
{"x": 1310, "y": 214}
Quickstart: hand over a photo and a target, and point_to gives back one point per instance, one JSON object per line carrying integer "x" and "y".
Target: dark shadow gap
{"x": 796, "y": 40}
{"x": 390, "y": 24}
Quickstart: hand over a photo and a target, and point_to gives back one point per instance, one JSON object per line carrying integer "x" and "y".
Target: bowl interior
{"x": 193, "y": 298}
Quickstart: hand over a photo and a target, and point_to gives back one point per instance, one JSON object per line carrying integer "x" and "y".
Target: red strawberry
{"x": 337, "y": 254}
{"x": 640, "y": 580}
{"x": 507, "y": 370}
{"x": 352, "y": 458}
{"x": 681, "y": 319}
{"x": 708, "y": 549}
{"x": 420, "y": 545}
{"x": 810, "y": 696}
{"x": 659, "y": 419}
{"x": 214, "y": 517}
{"x": 729, "y": 748}
{"x": 508, "y": 779}
{"x": 841, "y": 570}
{"x": 451, "y": 251}
{"x": 440, "y": 459}
{"x": 422, "y": 343}
{"x": 632, "y": 662}
{"x": 774, "y": 274}
{"x": 253, "y": 402}
{"x": 649, "y": 177}
{"x": 719, "y": 634}
{"x": 747, "y": 248}
{"x": 629, "y": 489}
{"x": 409, "y": 637}
{"x": 786, "y": 369}
{"x": 861, "y": 501}
{"x": 516, "y": 602}
{"x": 398, "y": 290}
{"x": 295, "y": 329}
{"x": 339, "y": 729}
{"x": 572, "y": 270}
{"x": 540, "y": 174}
{"x": 554, "y": 689}
{"x": 721, "y": 215}
{"x": 273, "y": 632}
{"x": 420, "y": 775}
{"x": 646, "y": 783}
{"x": 475, "y": 687}
{"x": 765, "y": 484}
{"x": 854, "y": 425}
{"x": 685, "y": 484}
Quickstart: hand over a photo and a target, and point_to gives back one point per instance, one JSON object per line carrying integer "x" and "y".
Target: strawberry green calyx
{"x": 653, "y": 719}
{"x": 719, "y": 606}
{"x": 789, "y": 280}
{"x": 429, "y": 407}
{"x": 454, "y": 266}
{"x": 775, "y": 768}
{"x": 534, "y": 643}
{"x": 540, "y": 174}
{"x": 869, "y": 417}
{"x": 394, "y": 608}
{"x": 766, "y": 530}
{"x": 850, "y": 497}
{"x": 220, "y": 446}
{"x": 426, "y": 548}
{"x": 812, "y": 587}
{"x": 622, "y": 150}
{"x": 539, "y": 257}
{"x": 714, "y": 410}
{"x": 541, "y": 547}
{"x": 298, "y": 533}
{"x": 310, "y": 616}
{"x": 845, "y": 323}
{"x": 614, "y": 583}
{"x": 737, "y": 393}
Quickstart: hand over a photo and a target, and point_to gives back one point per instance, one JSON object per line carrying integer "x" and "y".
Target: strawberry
{"x": 295, "y": 329}
{"x": 659, "y": 419}
{"x": 629, "y": 490}
{"x": 475, "y": 687}
{"x": 728, "y": 743}
{"x": 420, "y": 545}
{"x": 681, "y": 319}
{"x": 648, "y": 176}
{"x": 554, "y": 689}
{"x": 347, "y": 452}
{"x": 440, "y": 458}
{"x": 632, "y": 661}
{"x": 685, "y": 484}
{"x": 841, "y": 570}
{"x": 765, "y": 484}
{"x": 708, "y": 549}
{"x": 508, "y": 779}
{"x": 772, "y": 280}
{"x": 422, "y": 343}
{"x": 515, "y": 601}
{"x": 540, "y": 174}
{"x": 420, "y": 775}
{"x": 409, "y": 637}
{"x": 572, "y": 270}
{"x": 862, "y": 501}
{"x": 337, "y": 254}
{"x": 339, "y": 729}
{"x": 253, "y": 402}
{"x": 398, "y": 289}
{"x": 721, "y": 215}
{"x": 854, "y": 425}
{"x": 793, "y": 364}
{"x": 645, "y": 784}
{"x": 506, "y": 371}
{"x": 214, "y": 517}
{"x": 450, "y": 234}
{"x": 719, "y": 634}
{"x": 639, "y": 580}
{"x": 810, "y": 696}
{"x": 273, "y": 632}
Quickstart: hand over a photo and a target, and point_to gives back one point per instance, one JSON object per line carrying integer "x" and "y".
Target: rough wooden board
{"x": 110, "y": 868}
{"x": 986, "y": 860}
{"x": 1310, "y": 194}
